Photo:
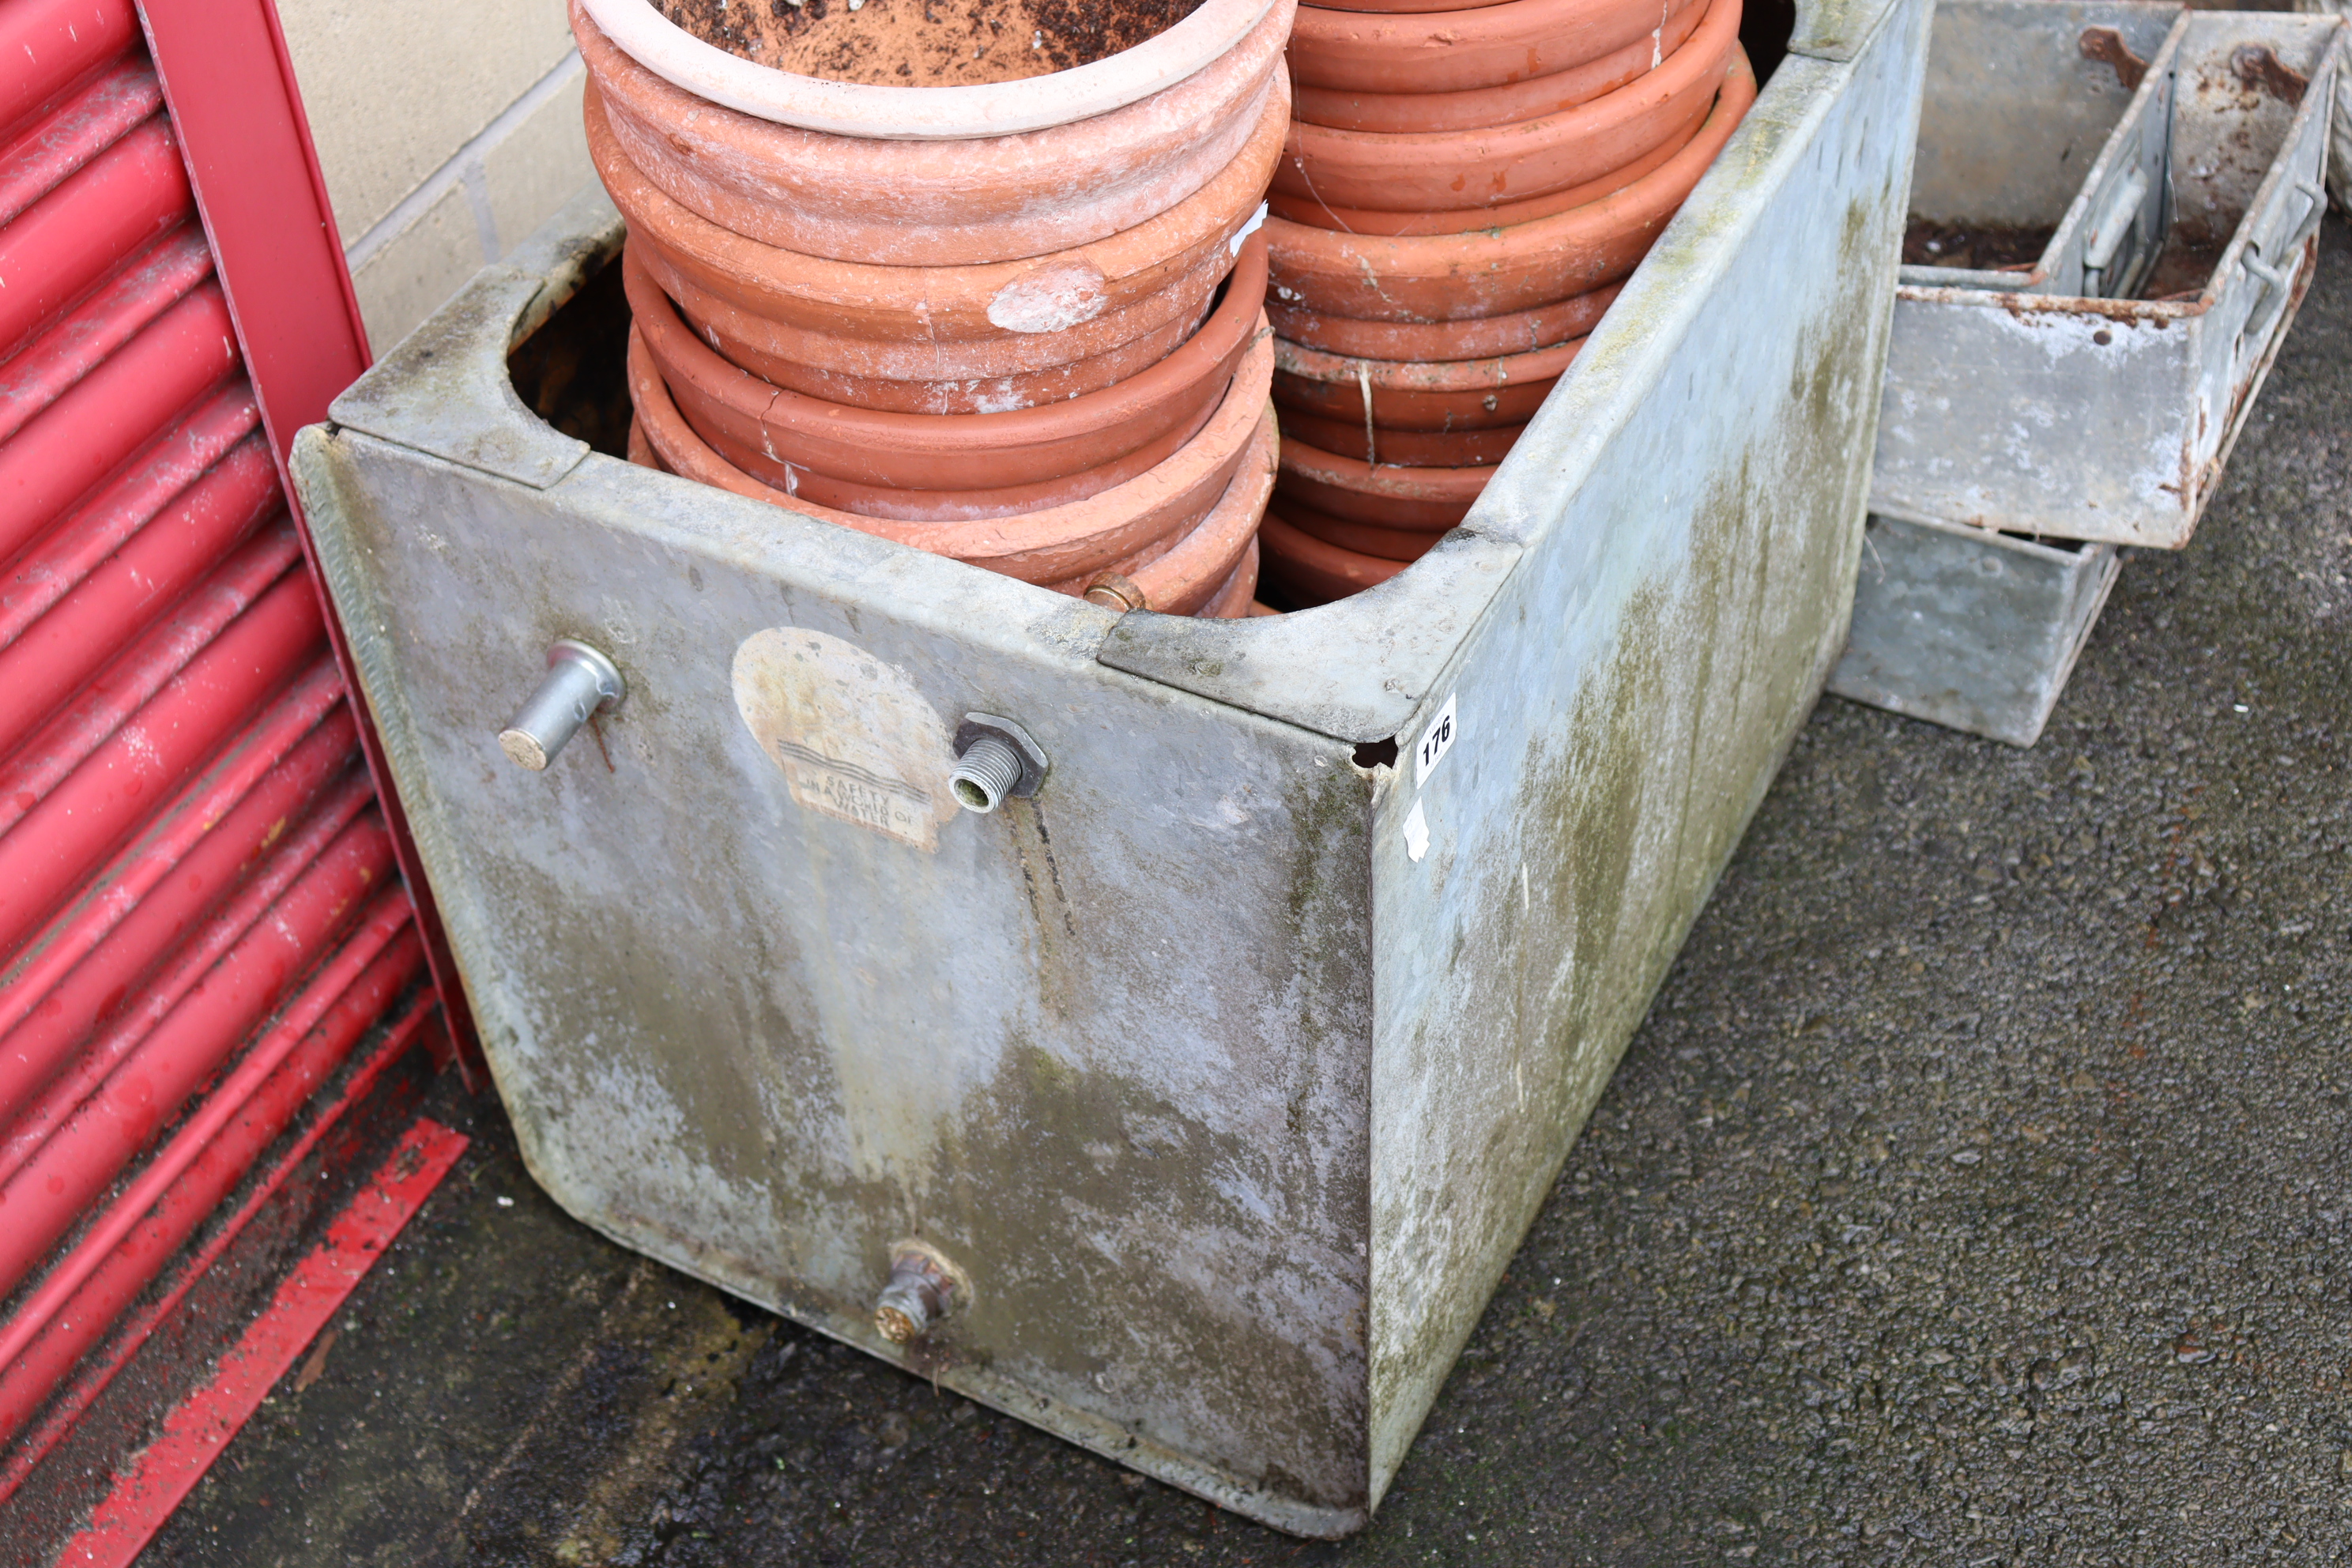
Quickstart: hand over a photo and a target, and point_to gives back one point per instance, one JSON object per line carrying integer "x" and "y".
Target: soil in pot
{"x": 925, "y": 42}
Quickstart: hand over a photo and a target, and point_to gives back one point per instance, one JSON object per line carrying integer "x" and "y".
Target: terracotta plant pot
{"x": 994, "y": 97}
{"x": 1480, "y": 337}
{"x": 972, "y": 394}
{"x": 1417, "y": 499}
{"x": 1445, "y": 395}
{"x": 1481, "y": 448}
{"x": 1360, "y": 51}
{"x": 1083, "y": 439}
{"x": 1365, "y": 539}
{"x": 937, "y": 202}
{"x": 1230, "y": 460}
{"x": 944, "y": 323}
{"x": 1493, "y": 272}
{"x": 1472, "y": 108}
{"x": 1464, "y": 220}
{"x": 1499, "y": 166}
{"x": 1309, "y": 572}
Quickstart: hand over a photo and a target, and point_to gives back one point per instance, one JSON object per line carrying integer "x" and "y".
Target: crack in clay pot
{"x": 958, "y": 203}
{"x": 1478, "y": 108}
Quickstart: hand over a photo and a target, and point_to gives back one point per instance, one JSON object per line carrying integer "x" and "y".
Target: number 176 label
{"x": 1435, "y": 741}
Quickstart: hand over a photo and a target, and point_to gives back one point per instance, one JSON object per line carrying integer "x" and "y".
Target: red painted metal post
{"x": 230, "y": 86}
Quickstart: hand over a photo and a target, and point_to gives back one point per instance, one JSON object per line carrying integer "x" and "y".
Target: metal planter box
{"x": 1972, "y": 630}
{"x": 2014, "y": 403}
{"x": 1232, "y": 1066}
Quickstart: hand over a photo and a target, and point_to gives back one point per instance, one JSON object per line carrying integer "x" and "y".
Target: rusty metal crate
{"x": 2049, "y": 400}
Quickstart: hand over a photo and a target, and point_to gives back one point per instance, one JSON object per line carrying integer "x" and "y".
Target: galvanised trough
{"x": 1191, "y": 1104}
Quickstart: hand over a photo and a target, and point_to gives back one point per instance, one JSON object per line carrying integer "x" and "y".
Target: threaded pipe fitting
{"x": 985, "y": 774}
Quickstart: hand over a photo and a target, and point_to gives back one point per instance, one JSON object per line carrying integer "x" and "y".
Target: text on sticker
{"x": 1435, "y": 741}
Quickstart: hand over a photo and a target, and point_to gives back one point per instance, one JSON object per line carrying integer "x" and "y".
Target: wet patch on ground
{"x": 1976, "y": 1192}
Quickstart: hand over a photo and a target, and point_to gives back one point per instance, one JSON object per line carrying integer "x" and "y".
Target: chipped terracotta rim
{"x": 924, "y": 113}
{"x": 1439, "y": 394}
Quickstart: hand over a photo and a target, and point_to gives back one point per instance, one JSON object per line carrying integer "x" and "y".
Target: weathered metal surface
{"x": 2109, "y": 419}
{"x": 1226, "y": 1071}
{"x": 1972, "y": 630}
{"x": 2021, "y": 126}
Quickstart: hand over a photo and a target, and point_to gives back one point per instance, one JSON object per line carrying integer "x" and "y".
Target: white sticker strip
{"x": 1435, "y": 741}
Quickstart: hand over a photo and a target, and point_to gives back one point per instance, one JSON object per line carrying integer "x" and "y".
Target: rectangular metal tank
{"x": 1230, "y": 1067}
{"x": 2032, "y": 402}
{"x": 1968, "y": 629}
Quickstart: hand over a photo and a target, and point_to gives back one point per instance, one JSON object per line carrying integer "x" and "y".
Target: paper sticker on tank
{"x": 854, "y": 737}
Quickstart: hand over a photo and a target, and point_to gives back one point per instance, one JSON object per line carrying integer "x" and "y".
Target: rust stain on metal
{"x": 2107, "y": 46}
{"x": 2260, "y": 67}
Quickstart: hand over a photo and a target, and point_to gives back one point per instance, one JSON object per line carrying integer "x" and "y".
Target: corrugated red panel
{"x": 201, "y": 917}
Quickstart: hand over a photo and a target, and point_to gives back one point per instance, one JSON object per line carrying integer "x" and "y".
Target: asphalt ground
{"x": 1976, "y": 1193}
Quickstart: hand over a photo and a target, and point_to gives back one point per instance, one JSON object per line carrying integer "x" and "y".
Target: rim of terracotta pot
{"x": 1482, "y": 47}
{"x": 1501, "y": 166}
{"x": 1391, "y": 497}
{"x": 1057, "y": 545}
{"x": 1467, "y": 109}
{"x": 928, "y": 203}
{"x": 1481, "y": 448}
{"x": 1518, "y": 331}
{"x": 1237, "y": 597}
{"x": 1406, "y": 544}
{"x": 955, "y": 451}
{"x": 739, "y": 335}
{"x": 928, "y": 305}
{"x": 1308, "y": 569}
{"x": 1495, "y": 272}
{"x": 1203, "y": 564}
{"x": 981, "y": 393}
{"x": 1316, "y": 213}
{"x": 1443, "y": 395}
{"x": 924, "y": 113}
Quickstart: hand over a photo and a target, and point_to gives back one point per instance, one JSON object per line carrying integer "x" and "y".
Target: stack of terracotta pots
{"x": 1465, "y": 186}
{"x": 939, "y": 273}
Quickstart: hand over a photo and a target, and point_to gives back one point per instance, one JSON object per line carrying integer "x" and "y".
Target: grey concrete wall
{"x": 446, "y": 130}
